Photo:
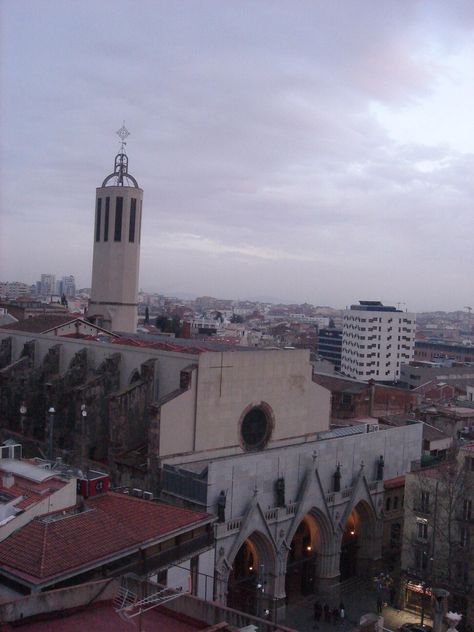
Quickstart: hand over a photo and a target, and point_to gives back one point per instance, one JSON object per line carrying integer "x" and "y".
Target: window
{"x": 98, "y": 219}
{"x": 425, "y": 502}
{"x": 387, "y": 504}
{"x": 464, "y": 537}
{"x": 421, "y": 529}
{"x": 139, "y": 222}
{"x": 256, "y": 429}
{"x": 133, "y": 213}
{"x": 395, "y": 502}
{"x": 106, "y": 219}
{"x": 421, "y": 559}
{"x": 118, "y": 219}
{"x": 395, "y": 533}
{"x": 467, "y": 509}
{"x": 462, "y": 572}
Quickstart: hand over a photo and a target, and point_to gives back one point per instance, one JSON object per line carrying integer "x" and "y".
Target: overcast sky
{"x": 318, "y": 151}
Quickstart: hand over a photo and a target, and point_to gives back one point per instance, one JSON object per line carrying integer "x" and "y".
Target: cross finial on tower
{"x": 123, "y": 133}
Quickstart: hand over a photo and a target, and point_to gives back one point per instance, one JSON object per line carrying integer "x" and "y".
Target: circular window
{"x": 256, "y": 428}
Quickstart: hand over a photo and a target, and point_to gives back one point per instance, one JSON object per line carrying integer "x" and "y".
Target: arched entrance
{"x": 300, "y": 568}
{"x": 349, "y": 548}
{"x": 357, "y": 538}
{"x": 304, "y": 563}
{"x": 251, "y": 578}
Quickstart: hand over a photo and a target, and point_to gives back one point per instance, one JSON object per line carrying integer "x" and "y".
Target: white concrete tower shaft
{"x": 115, "y": 267}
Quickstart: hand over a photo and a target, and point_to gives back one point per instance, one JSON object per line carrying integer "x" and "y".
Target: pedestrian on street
{"x": 335, "y": 615}
{"x": 392, "y": 596}
{"x": 327, "y": 613}
{"x": 342, "y": 613}
{"x": 379, "y": 604}
{"x": 318, "y": 611}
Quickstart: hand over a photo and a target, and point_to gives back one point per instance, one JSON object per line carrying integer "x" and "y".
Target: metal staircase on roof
{"x": 127, "y": 604}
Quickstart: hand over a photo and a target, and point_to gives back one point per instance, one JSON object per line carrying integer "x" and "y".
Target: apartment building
{"x": 376, "y": 340}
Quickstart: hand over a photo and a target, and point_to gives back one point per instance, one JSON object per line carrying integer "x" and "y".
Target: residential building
{"x": 451, "y": 418}
{"x": 28, "y": 490}
{"x": 109, "y": 534}
{"x": 354, "y": 399}
{"x": 393, "y": 514}
{"x": 376, "y": 340}
{"x": 438, "y": 539}
{"x": 430, "y": 351}
{"x": 61, "y": 325}
{"x": 24, "y": 308}
{"x": 47, "y": 284}
{"x": 67, "y": 286}
{"x": 417, "y": 373}
{"x": 330, "y": 346}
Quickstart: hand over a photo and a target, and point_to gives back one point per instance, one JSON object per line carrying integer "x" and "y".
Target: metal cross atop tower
{"x": 120, "y": 177}
{"x": 123, "y": 133}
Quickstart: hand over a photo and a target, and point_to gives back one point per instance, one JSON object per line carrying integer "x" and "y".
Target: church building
{"x": 241, "y": 433}
{"x": 244, "y": 434}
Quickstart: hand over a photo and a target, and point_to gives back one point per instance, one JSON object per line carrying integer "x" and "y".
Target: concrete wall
{"x": 56, "y": 600}
{"x": 209, "y": 420}
{"x": 177, "y": 421}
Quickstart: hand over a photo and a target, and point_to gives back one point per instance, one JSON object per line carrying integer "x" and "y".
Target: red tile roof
{"x": 30, "y": 491}
{"x": 112, "y": 523}
{"x": 398, "y": 481}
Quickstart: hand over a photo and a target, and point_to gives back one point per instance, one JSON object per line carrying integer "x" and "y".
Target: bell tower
{"x": 117, "y": 232}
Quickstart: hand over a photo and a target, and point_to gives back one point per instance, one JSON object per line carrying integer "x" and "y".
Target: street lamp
{"x": 83, "y": 432}
{"x": 23, "y": 411}
{"x": 51, "y": 412}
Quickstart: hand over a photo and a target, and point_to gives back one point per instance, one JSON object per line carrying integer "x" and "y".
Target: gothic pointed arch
{"x": 312, "y": 500}
{"x": 254, "y": 520}
{"x": 360, "y": 493}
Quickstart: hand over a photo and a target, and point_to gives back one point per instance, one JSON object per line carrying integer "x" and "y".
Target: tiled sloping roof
{"x": 114, "y": 523}
{"x": 31, "y": 492}
{"x": 391, "y": 483}
{"x": 338, "y": 384}
{"x": 430, "y": 433}
{"x": 40, "y": 324}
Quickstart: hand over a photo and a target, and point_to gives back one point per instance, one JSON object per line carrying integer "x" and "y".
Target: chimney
{"x": 8, "y": 480}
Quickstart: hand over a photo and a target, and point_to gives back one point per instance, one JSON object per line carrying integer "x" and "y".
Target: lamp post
{"x": 83, "y": 433}
{"x": 51, "y": 412}
{"x": 23, "y": 411}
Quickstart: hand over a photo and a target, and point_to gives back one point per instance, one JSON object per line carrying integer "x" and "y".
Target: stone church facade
{"x": 243, "y": 434}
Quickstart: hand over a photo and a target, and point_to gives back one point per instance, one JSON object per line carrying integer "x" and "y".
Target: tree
{"x": 236, "y": 319}
{"x": 147, "y": 315}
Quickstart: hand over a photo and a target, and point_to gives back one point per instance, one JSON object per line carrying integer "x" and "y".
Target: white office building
{"x": 376, "y": 340}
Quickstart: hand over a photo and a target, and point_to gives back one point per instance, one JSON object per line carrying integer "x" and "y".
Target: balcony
{"x": 180, "y": 552}
{"x": 421, "y": 509}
